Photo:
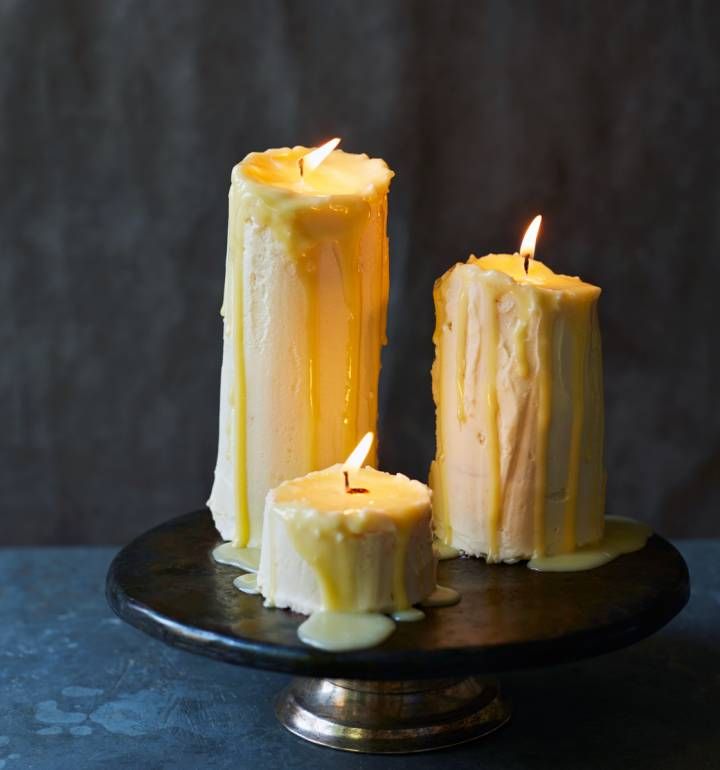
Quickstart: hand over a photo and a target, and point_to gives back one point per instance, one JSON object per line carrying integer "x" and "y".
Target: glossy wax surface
{"x": 386, "y": 494}
{"x": 538, "y": 273}
{"x": 341, "y": 173}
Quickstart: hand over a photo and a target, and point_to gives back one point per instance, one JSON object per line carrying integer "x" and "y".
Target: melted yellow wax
{"x": 444, "y": 552}
{"x": 328, "y": 526}
{"x": 595, "y": 461}
{"x": 520, "y": 334}
{"x": 490, "y": 346}
{"x": 539, "y": 298}
{"x": 244, "y": 558}
{"x": 578, "y": 297}
{"x": 538, "y": 274}
{"x": 461, "y": 353}
{"x": 441, "y": 509}
{"x": 328, "y": 534}
{"x": 621, "y": 536}
{"x": 410, "y": 615}
{"x": 543, "y": 430}
{"x": 441, "y": 597}
{"x": 580, "y": 331}
{"x": 247, "y": 583}
{"x": 239, "y": 388}
{"x": 333, "y": 204}
{"x": 343, "y": 631}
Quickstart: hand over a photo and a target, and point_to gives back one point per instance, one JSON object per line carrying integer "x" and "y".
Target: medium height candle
{"x": 517, "y": 382}
{"x": 305, "y": 300}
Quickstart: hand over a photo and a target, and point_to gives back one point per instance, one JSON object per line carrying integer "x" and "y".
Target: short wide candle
{"x": 517, "y": 383}
{"x": 366, "y": 548}
{"x": 306, "y": 288}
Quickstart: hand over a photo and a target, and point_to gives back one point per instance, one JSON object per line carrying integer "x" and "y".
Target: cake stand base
{"x": 391, "y": 717}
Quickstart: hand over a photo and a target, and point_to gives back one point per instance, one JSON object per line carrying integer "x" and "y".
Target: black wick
{"x": 352, "y": 490}
{"x": 301, "y": 163}
{"x": 527, "y": 263}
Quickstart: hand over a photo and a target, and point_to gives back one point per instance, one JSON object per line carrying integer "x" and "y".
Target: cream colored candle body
{"x": 304, "y": 311}
{"x": 325, "y": 549}
{"x": 517, "y": 383}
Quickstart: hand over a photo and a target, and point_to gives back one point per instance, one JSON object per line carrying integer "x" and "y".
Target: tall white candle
{"x": 304, "y": 311}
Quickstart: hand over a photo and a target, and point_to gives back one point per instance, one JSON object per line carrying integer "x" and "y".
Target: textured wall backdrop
{"x": 120, "y": 122}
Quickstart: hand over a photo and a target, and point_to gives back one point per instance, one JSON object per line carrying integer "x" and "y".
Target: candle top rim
{"x": 539, "y": 275}
{"x": 340, "y": 174}
{"x": 321, "y": 496}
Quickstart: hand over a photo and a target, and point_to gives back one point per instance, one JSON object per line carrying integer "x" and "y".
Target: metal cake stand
{"x": 427, "y": 686}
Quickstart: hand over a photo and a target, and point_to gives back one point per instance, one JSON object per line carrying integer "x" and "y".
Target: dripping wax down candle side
{"x": 517, "y": 383}
{"x": 304, "y": 313}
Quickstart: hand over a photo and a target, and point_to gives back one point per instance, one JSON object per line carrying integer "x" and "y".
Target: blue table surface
{"x": 80, "y": 689}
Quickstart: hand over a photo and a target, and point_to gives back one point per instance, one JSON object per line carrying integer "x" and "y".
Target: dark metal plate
{"x": 167, "y": 584}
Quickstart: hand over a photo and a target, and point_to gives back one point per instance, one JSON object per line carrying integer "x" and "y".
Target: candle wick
{"x": 527, "y": 263}
{"x": 353, "y": 490}
{"x": 301, "y": 163}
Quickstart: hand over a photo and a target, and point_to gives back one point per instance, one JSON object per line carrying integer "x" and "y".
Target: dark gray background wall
{"x": 120, "y": 122}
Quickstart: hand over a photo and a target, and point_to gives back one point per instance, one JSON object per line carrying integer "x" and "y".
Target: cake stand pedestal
{"x": 392, "y": 717}
{"x": 426, "y": 686}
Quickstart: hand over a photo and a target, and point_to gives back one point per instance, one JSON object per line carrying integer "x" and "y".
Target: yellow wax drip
{"x": 244, "y": 558}
{"x": 579, "y": 343}
{"x": 622, "y": 536}
{"x": 332, "y": 208}
{"x": 441, "y": 597}
{"x": 307, "y": 268}
{"x": 242, "y": 515}
{"x": 520, "y": 333}
{"x": 355, "y": 548}
{"x": 461, "y": 352}
{"x": 598, "y": 412}
{"x": 490, "y": 344}
{"x": 399, "y": 564}
{"x": 372, "y": 369}
{"x": 519, "y": 350}
{"x": 385, "y": 276}
{"x": 354, "y": 296}
{"x": 330, "y": 552}
{"x": 544, "y": 372}
{"x": 437, "y": 467}
{"x": 344, "y": 631}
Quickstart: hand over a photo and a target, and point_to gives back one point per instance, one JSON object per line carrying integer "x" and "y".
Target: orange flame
{"x": 527, "y": 247}
{"x": 314, "y": 158}
{"x": 358, "y": 455}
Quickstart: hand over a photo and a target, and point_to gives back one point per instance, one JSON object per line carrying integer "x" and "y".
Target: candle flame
{"x": 314, "y": 158}
{"x": 358, "y": 455}
{"x": 527, "y": 247}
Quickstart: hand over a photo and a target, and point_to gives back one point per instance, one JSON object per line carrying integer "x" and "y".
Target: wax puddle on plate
{"x": 244, "y": 558}
{"x": 443, "y": 551}
{"x": 247, "y": 583}
{"x": 410, "y": 615}
{"x": 344, "y": 631}
{"x": 441, "y": 597}
{"x": 339, "y": 631}
{"x": 622, "y": 535}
